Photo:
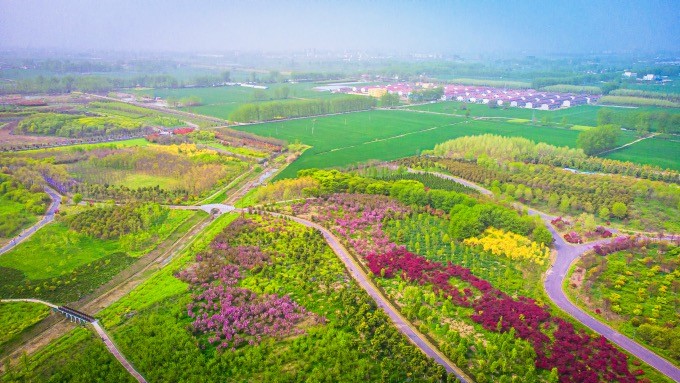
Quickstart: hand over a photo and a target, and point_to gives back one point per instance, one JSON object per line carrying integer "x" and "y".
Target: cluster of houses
{"x": 519, "y": 98}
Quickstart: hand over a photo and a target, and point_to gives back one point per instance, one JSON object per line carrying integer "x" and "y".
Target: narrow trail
{"x": 628, "y": 144}
{"x": 567, "y": 254}
{"x": 400, "y": 322}
{"x": 117, "y": 354}
{"x": 104, "y": 336}
{"x": 47, "y": 218}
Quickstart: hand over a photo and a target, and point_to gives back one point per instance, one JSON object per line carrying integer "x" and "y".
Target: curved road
{"x": 364, "y": 281}
{"x": 554, "y": 281}
{"x": 47, "y": 218}
{"x": 105, "y": 337}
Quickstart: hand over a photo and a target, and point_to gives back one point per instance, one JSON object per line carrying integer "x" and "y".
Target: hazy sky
{"x": 396, "y": 26}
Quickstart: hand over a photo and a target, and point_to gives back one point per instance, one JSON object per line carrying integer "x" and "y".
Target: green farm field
{"x": 390, "y": 134}
{"x": 220, "y": 102}
{"x": 652, "y": 151}
{"x": 578, "y": 115}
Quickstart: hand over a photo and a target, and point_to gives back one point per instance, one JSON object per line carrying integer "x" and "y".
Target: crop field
{"x": 578, "y": 115}
{"x": 386, "y": 135}
{"x": 652, "y": 151}
{"x": 221, "y": 101}
{"x": 15, "y": 317}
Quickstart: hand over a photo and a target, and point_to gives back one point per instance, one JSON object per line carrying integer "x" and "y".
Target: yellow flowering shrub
{"x": 511, "y": 245}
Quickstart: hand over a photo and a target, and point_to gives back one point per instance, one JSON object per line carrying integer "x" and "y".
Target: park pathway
{"x": 567, "y": 254}
{"x": 102, "y": 334}
{"x": 117, "y": 354}
{"x": 47, "y": 218}
{"x": 364, "y": 281}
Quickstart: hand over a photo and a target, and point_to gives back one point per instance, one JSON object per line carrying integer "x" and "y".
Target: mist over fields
{"x": 442, "y": 27}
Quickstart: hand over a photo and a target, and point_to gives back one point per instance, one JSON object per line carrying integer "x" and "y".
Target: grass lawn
{"x": 652, "y": 151}
{"x": 390, "y": 134}
{"x": 55, "y": 250}
{"x": 140, "y": 180}
{"x": 15, "y": 317}
{"x": 14, "y": 216}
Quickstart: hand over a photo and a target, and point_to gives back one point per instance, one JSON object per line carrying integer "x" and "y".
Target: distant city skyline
{"x": 448, "y": 27}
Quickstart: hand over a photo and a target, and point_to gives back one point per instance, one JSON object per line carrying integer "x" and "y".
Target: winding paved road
{"x": 47, "y": 218}
{"x": 554, "y": 281}
{"x": 364, "y": 281}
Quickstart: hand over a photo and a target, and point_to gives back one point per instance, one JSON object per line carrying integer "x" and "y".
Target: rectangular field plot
{"x": 386, "y": 135}
{"x": 652, "y": 151}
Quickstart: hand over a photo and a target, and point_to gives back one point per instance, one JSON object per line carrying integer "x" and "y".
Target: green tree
{"x": 603, "y": 213}
{"x": 389, "y": 99}
{"x": 565, "y": 203}
{"x": 77, "y": 198}
{"x": 604, "y": 116}
{"x": 598, "y": 139}
{"x": 619, "y": 209}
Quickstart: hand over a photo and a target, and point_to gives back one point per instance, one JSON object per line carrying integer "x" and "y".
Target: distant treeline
{"x": 675, "y": 97}
{"x": 638, "y": 101}
{"x": 276, "y": 110}
{"x": 542, "y": 82}
{"x": 316, "y": 76}
{"x": 573, "y": 89}
{"x": 90, "y": 84}
{"x": 101, "y": 84}
{"x": 662, "y": 122}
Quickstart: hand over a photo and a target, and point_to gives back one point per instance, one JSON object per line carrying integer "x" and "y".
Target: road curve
{"x": 104, "y": 336}
{"x": 47, "y": 218}
{"x": 364, "y": 281}
{"x": 554, "y": 282}
{"x": 461, "y": 181}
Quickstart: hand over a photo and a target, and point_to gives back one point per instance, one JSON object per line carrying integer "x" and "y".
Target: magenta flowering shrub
{"x": 577, "y": 356}
{"x": 573, "y": 237}
{"x": 621, "y": 243}
{"x": 232, "y": 316}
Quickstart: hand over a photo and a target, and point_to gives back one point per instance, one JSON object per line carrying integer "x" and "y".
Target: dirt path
{"x": 628, "y": 144}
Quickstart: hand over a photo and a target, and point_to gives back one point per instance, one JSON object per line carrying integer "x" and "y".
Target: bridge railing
{"x": 75, "y": 315}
